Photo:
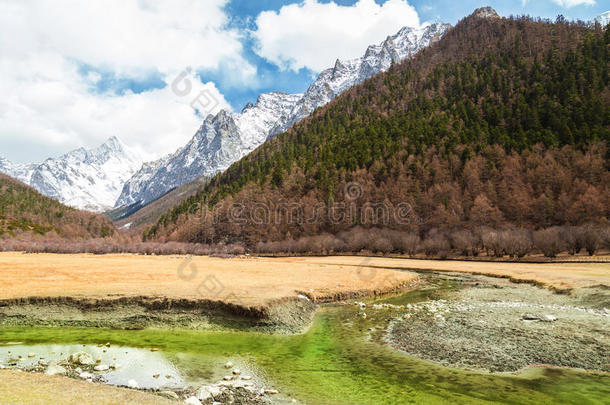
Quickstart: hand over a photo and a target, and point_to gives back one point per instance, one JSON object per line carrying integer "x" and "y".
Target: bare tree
{"x": 590, "y": 239}
{"x": 549, "y": 241}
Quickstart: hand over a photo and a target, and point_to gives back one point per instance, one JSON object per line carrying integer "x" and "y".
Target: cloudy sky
{"x": 74, "y": 73}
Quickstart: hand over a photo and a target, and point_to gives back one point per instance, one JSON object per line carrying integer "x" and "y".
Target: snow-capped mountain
{"x": 90, "y": 179}
{"x": 227, "y": 137}
{"x": 603, "y": 19}
{"x": 220, "y": 141}
{"x": 346, "y": 74}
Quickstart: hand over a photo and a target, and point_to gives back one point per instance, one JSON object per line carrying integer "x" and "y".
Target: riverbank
{"x": 136, "y": 292}
{"x": 40, "y": 389}
{"x": 343, "y": 358}
{"x": 560, "y": 277}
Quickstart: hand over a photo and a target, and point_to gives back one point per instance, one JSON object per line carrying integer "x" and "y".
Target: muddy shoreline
{"x": 289, "y": 315}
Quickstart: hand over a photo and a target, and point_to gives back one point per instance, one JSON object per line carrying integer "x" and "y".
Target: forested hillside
{"x": 24, "y": 213}
{"x": 502, "y": 122}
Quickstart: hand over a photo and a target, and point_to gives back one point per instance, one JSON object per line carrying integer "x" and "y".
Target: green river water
{"x": 340, "y": 361}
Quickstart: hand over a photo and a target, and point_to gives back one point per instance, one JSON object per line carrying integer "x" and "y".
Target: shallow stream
{"x": 342, "y": 359}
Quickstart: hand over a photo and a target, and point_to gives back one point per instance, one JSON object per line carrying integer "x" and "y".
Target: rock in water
{"x": 101, "y": 367}
{"x": 83, "y": 359}
{"x": 55, "y": 369}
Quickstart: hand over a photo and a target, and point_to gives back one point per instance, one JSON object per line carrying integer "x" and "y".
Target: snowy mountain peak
{"x": 90, "y": 179}
{"x": 603, "y": 19}
{"x": 227, "y": 137}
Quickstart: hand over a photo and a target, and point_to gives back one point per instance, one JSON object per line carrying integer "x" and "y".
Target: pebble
{"x": 227, "y": 378}
{"x": 228, "y": 364}
{"x": 132, "y": 384}
{"x": 246, "y": 378}
{"x": 30, "y": 355}
{"x": 55, "y": 369}
{"x": 192, "y": 401}
{"x": 169, "y": 394}
{"x": 155, "y": 376}
{"x": 101, "y": 367}
{"x": 208, "y": 391}
{"x": 236, "y": 371}
{"x": 272, "y": 392}
{"x": 85, "y": 375}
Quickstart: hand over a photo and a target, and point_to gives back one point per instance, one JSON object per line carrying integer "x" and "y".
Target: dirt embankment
{"x": 129, "y": 291}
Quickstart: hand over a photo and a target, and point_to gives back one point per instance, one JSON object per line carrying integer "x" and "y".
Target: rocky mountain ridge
{"x": 227, "y": 137}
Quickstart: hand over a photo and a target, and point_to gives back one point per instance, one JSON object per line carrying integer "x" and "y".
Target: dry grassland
{"x": 560, "y": 276}
{"x": 242, "y": 281}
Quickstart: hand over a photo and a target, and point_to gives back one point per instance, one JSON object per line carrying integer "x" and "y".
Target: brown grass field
{"x": 560, "y": 276}
{"x": 33, "y": 389}
{"x": 253, "y": 281}
{"x": 243, "y": 281}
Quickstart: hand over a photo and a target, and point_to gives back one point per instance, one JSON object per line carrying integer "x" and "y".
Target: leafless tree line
{"x": 110, "y": 246}
{"x": 514, "y": 243}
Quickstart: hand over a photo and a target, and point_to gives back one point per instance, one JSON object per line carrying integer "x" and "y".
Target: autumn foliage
{"x": 502, "y": 124}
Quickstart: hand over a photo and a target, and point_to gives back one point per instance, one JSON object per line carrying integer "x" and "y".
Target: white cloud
{"x": 572, "y": 3}
{"x": 47, "y": 105}
{"x": 313, "y": 34}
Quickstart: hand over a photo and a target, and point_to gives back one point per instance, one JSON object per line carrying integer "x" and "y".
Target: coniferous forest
{"x": 502, "y": 123}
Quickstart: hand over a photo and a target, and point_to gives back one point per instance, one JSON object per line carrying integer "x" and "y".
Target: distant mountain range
{"x": 89, "y": 179}
{"x": 113, "y": 176}
{"x": 494, "y": 125}
{"x": 227, "y": 137}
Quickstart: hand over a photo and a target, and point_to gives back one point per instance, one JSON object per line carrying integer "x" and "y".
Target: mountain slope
{"x": 84, "y": 179}
{"x": 225, "y": 138}
{"x": 25, "y": 211}
{"x": 500, "y": 121}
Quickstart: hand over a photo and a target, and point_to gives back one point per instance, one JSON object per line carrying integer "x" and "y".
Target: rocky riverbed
{"x": 237, "y": 386}
{"x": 495, "y": 325}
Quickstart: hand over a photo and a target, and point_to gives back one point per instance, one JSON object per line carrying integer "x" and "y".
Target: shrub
{"x": 590, "y": 239}
{"x": 436, "y": 244}
{"x": 465, "y": 242}
{"x": 516, "y": 242}
{"x": 549, "y": 241}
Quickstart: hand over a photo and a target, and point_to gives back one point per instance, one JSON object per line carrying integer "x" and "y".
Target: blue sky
{"x": 75, "y": 73}
{"x": 243, "y": 13}
{"x": 451, "y": 11}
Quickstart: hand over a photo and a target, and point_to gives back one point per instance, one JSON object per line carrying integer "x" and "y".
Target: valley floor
{"x": 419, "y": 346}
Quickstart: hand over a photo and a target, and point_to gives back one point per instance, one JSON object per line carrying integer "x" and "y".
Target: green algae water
{"x": 342, "y": 359}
